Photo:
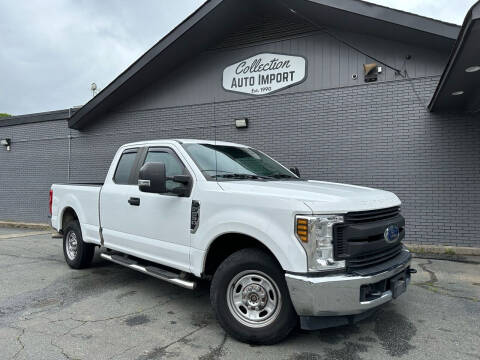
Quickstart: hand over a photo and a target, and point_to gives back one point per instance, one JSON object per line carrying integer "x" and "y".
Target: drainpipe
{"x": 69, "y": 156}
{"x": 69, "y": 147}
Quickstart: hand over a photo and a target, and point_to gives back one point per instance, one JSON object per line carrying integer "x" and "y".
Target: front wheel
{"x": 251, "y": 300}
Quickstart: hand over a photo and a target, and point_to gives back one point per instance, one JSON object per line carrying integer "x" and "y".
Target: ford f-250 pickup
{"x": 279, "y": 250}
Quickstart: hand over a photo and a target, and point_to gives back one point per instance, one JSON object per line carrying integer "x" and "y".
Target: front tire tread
{"x": 252, "y": 259}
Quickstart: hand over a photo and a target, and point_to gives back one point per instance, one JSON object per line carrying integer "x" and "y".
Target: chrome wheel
{"x": 254, "y": 298}
{"x": 71, "y": 245}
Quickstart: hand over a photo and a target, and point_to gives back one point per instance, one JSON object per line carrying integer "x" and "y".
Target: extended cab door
{"x": 151, "y": 226}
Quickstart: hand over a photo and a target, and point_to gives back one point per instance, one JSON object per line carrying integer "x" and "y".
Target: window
{"x": 173, "y": 166}
{"x": 124, "y": 167}
{"x": 232, "y": 162}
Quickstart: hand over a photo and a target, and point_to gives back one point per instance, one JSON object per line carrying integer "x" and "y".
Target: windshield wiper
{"x": 241, "y": 176}
{"x": 283, "y": 176}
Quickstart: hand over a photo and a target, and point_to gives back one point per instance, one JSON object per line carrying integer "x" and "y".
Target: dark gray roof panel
{"x": 37, "y": 117}
{"x": 394, "y": 16}
{"x": 366, "y": 18}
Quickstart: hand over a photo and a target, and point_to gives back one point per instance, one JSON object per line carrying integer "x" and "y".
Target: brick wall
{"x": 39, "y": 157}
{"x": 378, "y": 135}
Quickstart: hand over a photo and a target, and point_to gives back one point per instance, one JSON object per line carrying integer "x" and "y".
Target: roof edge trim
{"x": 55, "y": 115}
{"x": 395, "y": 16}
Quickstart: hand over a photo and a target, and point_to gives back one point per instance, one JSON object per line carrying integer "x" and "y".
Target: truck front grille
{"x": 372, "y": 215}
{"x": 372, "y": 259}
{"x": 360, "y": 240}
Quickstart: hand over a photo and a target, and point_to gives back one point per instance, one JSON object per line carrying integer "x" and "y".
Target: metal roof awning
{"x": 459, "y": 88}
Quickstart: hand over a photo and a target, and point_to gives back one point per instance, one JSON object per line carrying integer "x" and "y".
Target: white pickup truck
{"x": 279, "y": 250}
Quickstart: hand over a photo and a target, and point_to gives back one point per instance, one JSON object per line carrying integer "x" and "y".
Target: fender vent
{"x": 194, "y": 216}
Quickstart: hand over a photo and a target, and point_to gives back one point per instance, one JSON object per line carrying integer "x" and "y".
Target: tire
{"x": 248, "y": 278}
{"x": 79, "y": 254}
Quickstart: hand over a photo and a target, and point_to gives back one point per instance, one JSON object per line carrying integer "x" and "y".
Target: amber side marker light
{"x": 302, "y": 229}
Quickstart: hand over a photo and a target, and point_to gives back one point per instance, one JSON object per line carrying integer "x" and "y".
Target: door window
{"x": 124, "y": 167}
{"x": 173, "y": 166}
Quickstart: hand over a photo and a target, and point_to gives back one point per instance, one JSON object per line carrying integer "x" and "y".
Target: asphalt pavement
{"x": 49, "y": 311}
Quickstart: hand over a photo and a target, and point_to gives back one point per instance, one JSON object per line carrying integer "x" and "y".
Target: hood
{"x": 319, "y": 196}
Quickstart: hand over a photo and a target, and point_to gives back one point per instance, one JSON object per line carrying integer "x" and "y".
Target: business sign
{"x": 264, "y": 73}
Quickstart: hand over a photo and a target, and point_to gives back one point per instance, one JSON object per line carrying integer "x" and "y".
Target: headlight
{"x": 315, "y": 235}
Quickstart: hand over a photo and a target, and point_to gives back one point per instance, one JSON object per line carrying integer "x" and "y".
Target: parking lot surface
{"x": 49, "y": 311}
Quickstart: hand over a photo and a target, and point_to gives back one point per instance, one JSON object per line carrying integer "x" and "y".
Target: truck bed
{"x": 84, "y": 198}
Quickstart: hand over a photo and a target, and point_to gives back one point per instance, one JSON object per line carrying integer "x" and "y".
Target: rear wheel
{"x": 250, "y": 297}
{"x": 77, "y": 253}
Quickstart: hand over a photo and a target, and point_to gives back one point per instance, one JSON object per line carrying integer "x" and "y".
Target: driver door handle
{"x": 134, "y": 201}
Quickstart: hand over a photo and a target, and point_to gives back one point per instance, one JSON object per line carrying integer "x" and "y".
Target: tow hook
{"x": 412, "y": 271}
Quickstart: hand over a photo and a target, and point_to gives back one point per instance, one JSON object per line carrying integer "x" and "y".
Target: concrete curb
{"x": 25, "y": 225}
{"x": 33, "y": 226}
{"x": 443, "y": 249}
{"x": 23, "y": 234}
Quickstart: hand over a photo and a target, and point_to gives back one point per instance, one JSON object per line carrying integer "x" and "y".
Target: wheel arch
{"x": 68, "y": 214}
{"x": 226, "y": 244}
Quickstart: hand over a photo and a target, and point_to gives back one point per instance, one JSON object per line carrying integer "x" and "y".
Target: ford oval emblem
{"x": 391, "y": 234}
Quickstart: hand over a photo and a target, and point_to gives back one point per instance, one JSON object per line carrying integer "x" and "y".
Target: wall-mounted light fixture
{"x": 472, "y": 69}
{"x": 6, "y": 143}
{"x": 241, "y": 123}
{"x": 371, "y": 72}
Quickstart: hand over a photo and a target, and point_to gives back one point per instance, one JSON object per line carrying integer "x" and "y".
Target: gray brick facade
{"x": 392, "y": 142}
{"x": 334, "y": 129}
{"x": 38, "y": 158}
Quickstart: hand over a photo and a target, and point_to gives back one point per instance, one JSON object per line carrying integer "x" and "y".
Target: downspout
{"x": 69, "y": 148}
{"x": 69, "y": 155}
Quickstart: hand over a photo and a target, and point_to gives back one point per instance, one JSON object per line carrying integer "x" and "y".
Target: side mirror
{"x": 295, "y": 171}
{"x": 152, "y": 178}
{"x": 186, "y": 185}
{"x": 182, "y": 179}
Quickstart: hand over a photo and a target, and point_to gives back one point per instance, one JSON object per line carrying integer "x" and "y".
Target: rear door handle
{"x": 134, "y": 201}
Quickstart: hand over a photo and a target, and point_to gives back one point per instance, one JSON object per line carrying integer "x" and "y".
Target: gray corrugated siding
{"x": 267, "y": 29}
{"x": 331, "y": 64}
{"x": 332, "y": 128}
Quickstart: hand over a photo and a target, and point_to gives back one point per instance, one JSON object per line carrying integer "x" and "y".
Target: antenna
{"x": 215, "y": 138}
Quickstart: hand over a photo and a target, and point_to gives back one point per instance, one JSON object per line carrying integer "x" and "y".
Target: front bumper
{"x": 339, "y": 294}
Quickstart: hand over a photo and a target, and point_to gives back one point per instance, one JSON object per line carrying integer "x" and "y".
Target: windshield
{"x": 231, "y": 162}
